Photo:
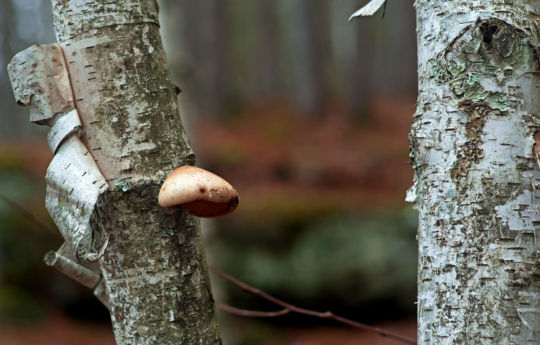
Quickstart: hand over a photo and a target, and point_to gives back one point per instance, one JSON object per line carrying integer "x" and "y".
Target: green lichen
{"x": 152, "y": 244}
{"x": 122, "y": 185}
{"x": 166, "y": 226}
{"x": 465, "y": 84}
{"x": 488, "y": 50}
{"x": 477, "y": 67}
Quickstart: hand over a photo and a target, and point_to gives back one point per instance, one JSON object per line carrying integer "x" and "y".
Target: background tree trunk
{"x": 308, "y": 44}
{"x": 10, "y": 123}
{"x": 154, "y": 267}
{"x": 266, "y": 79}
{"x": 476, "y": 179}
{"x": 352, "y": 48}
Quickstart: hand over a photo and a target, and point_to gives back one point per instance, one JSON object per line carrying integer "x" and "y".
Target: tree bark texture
{"x": 154, "y": 267}
{"x": 476, "y": 184}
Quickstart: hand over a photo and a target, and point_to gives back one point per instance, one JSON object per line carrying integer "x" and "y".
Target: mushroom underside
{"x": 206, "y": 209}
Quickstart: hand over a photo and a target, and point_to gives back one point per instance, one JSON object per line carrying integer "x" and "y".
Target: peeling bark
{"x": 476, "y": 180}
{"x": 154, "y": 267}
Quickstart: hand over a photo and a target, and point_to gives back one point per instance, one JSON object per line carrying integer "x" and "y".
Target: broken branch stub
{"x": 65, "y": 261}
{"x": 79, "y": 273}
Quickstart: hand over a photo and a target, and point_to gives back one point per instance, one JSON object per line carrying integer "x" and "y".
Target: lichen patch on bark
{"x": 476, "y": 63}
{"x": 470, "y": 152}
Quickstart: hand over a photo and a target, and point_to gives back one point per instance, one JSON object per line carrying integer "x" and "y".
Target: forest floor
{"x": 57, "y": 329}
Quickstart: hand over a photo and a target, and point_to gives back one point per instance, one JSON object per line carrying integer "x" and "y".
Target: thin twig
{"x": 25, "y": 212}
{"x": 294, "y": 309}
{"x": 287, "y": 307}
{"x": 252, "y": 313}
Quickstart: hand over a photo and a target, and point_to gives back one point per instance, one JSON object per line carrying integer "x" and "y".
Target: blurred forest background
{"x": 306, "y": 114}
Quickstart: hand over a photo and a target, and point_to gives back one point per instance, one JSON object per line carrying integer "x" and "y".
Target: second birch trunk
{"x": 476, "y": 179}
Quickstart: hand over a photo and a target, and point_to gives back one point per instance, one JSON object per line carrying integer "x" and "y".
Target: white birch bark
{"x": 153, "y": 267}
{"x": 476, "y": 180}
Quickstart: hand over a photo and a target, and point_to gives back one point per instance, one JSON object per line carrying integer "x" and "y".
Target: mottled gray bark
{"x": 476, "y": 180}
{"x": 154, "y": 267}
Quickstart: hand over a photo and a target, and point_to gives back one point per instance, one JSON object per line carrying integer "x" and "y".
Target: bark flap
{"x": 40, "y": 79}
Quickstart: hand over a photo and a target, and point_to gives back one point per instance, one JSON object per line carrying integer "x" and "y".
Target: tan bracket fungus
{"x": 200, "y": 192}
{"x": 40, "y": 80}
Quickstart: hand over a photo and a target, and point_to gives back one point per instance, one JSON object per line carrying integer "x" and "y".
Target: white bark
{"x": 476, "y": 179}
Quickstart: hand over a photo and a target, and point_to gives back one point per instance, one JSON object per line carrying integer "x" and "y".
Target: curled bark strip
{"x": 39, "y": 78}
{"x": 63, "y": 126}
{"x": 74, "y": 184}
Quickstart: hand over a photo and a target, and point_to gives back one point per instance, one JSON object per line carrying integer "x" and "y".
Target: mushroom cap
{"x": 200, "y": 192}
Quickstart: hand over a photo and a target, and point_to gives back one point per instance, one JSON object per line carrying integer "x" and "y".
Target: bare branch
{"x": 251, "y": 313}
{"x": 292, "y": 308}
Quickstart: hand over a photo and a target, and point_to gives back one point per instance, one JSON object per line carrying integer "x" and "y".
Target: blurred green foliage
{"x": 19, "y": 305}
{"x": 22, "y": 245}
{"x": 351, "y": 260}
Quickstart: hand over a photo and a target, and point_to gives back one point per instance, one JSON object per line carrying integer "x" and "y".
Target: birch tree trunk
{"x": 476, "y": 180}
{"x": 154, "y": 267}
